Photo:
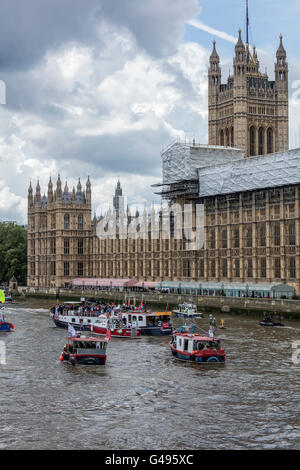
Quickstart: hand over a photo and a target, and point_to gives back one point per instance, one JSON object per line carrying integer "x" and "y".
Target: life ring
{"x": 213, "y": 359}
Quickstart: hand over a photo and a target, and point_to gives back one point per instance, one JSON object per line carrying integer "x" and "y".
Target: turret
{"x": 50, "y": 191}
{"x": 214, "y": 72}
{"x": 88, "y": 191}
{"x": 281, "y": 68}
{"x": 38, "y": 193}
{"x": 58, "y": 189}
{"x": 240, "y": 59}
{"x": 79, "y": 187}
{"x": 30, "y": 196}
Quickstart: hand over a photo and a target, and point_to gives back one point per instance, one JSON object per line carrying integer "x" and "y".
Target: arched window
{"x": 222, "y": 138}
{"x": 270, "y": 140}
{"x": 80, "y": 222}
{"x": 252, "y": 141}
{"x": 260, "y": 141}
{"x": 66, "y": 221}
{"x": 227, "y": 138}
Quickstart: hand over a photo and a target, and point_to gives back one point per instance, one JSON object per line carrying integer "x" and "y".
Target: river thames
{"x": 143, "y": 398}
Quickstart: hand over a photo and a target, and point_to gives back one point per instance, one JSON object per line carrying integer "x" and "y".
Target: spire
{"x": 66, "y": 189}
{"x": 50, "y": 191}
{"x": 88, "y": 191}
{"x": 281, "y": 50}
{"x": 58, "y": 188}
{"x": 30, "y": 196}
{"x": 79, "y": 187}
{"x": 240, "y": 43}
{"x": 73, "y": 194}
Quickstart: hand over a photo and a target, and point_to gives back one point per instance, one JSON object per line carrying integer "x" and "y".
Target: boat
{"x": 150, "y": 323}
{"x": 114, "y": 327}
{"x": 82, "y": 350}
{"x": 73, "y": 313}
{"x": 6, "y": 326}
{"x": 187, "y": 345}
{"x": 187, "y": 310}
{"x": 269, "y": 321}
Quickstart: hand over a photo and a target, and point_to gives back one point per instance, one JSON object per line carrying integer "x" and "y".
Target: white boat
{"x": 186, "y": 310}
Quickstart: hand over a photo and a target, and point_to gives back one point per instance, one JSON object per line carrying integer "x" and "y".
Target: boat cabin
{"x": 146, "y": 319}
{"x": 86, "y": 346}
{"x": 191, "y": 343}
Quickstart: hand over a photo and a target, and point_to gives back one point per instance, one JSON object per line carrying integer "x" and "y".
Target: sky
{"x": 100, "y": 87}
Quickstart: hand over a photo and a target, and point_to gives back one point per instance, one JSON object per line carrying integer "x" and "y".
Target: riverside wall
{"x": 232, "y": 305}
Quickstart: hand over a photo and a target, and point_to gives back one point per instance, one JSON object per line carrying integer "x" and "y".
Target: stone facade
{"x": 59, "y": 235}
{"x": 249, "y": 112}
{"x": 250, "y": 235}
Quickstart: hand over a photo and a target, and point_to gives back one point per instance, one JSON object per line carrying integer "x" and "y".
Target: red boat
{"x": 114, "y": 328}
{"x": 197, "y": 348}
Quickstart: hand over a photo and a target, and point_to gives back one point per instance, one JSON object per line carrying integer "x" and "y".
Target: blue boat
{"x": 6, "y": 326}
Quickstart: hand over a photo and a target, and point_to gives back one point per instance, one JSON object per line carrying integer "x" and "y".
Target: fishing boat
{"x": 73, "y": 313}
{"x": 82, "y": 350}
{"x": 186, "y": 310}
{"x": 268, "y": 320}
{"x": 186, "y": 345}
{"x": 115, "y": 327}
{"x": 150, "y": 323}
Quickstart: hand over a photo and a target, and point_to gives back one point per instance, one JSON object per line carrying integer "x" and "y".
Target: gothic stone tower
{"x": 249, "y": 111}
{"x": 59, "y": 235}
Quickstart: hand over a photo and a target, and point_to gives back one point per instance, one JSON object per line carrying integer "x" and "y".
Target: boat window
{"x": 73, "y": 320}
{"x": 134, "y": 318}
{"x": 89, "y": 321}
{"x": 186, "y": 344}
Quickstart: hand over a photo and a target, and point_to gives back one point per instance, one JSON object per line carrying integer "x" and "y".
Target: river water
{"x": 143, "y": 398}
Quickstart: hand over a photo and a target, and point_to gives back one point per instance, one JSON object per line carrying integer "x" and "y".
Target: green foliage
{"x": 13, "y": 252}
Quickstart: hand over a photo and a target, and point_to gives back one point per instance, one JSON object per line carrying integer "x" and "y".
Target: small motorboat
{"x": 85, "y": 351}
{"x": 104, "y": 325}
{"x": 268, "y": 320}
{"x": 186, "y": 310}
{"x": 6, "y": 326}
{"x": 186, "y": 345}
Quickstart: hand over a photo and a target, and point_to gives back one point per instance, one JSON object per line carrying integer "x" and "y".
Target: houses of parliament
{"x": 246, "y": 178}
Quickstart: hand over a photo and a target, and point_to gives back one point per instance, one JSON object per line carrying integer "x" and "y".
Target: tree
{"x": 13, "y": 252}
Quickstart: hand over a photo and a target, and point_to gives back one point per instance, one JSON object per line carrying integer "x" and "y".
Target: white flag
{"x": 71, "y": 330}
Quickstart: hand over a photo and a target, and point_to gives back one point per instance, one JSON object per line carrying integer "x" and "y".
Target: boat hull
{"x": 263, "y": 323}
{"x": 197, "y": 359}
{"x": 62, "y": 324}
{"x": 155, "y": 331}
{"x": 117, "y": 333}
{"x": 85, "y": 359}
{"x": 187, "y": 315}
{"x": 6, "y": 326}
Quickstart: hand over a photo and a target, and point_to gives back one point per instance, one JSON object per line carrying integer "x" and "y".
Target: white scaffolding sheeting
{"x": 181, "y": 161}
{"x": 252, "y": 173}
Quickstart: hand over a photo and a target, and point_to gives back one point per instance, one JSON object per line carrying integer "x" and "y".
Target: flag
{"x": 167, "y": 307}
{"x": 71, "y": 330}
